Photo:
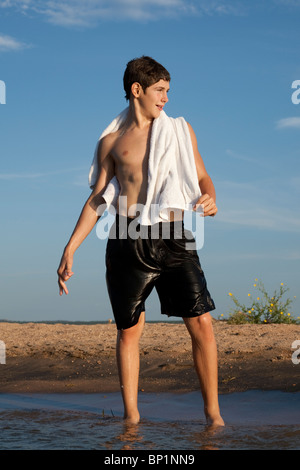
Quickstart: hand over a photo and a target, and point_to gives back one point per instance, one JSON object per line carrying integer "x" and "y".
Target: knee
{"x": 132, "y": 334}
{"x": 201, "y": 326}
{"x": 204, "y": 321}
{"x": 127, "y": 338}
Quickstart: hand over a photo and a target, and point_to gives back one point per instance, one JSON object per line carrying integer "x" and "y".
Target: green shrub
{"x": 263, "y": 308}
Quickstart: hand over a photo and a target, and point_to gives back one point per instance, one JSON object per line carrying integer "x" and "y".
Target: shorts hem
{"x": 137, "y": 315}
{"x": 189, "y": 315}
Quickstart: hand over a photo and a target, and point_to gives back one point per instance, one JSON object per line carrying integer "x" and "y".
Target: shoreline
{"x": 73, "y": 358}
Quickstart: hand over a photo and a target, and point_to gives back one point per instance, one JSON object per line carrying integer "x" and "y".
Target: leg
{"x": 205, "y": 359}
{"x": 128, "y": 366}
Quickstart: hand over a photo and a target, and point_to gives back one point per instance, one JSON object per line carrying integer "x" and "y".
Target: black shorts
{"x": 135, "y": 265}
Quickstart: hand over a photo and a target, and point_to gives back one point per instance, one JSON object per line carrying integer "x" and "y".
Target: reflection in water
{"x": 209, "y": 438}
{"x": 128, "y": 438}
{"x": 39, "y": 429}
{"x": 254, "y": 421}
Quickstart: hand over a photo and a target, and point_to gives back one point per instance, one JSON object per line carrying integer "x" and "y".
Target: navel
{"x": 125, "y": 153}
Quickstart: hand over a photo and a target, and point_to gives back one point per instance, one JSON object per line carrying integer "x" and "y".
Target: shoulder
{"x": 192, "y": 133}
{"x": 181, "y": 121}
{"x": 109, "y": 139}
{"x": 106, "y": 144}
{"x": 190, "y": 127}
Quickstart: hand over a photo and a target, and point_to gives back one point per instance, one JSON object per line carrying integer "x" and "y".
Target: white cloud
{"x": 280, "y": 255}
{"x": 288, "y": 3}
{"x": 87, "y": 13}
{"x": 266, "y": 218}
{"x": 7, "y": 43}
{"x": 246, "y": 158}
{"x": 259, "y": 204}
{"x": 291, "y": 122}
{"x": 16, "y": 176}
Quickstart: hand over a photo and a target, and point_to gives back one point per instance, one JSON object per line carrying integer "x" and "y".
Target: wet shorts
{"x": 159, "y": 257}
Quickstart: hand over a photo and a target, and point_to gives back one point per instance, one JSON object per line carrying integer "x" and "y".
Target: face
{"x": 154, "y": 99}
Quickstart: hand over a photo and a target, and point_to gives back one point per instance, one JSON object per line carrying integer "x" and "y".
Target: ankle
{"x": 132, "y": 417}
{"x": 213, "y": 416}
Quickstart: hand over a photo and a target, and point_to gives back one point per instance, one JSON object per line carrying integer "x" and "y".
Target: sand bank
{"x": 59, "y": 358}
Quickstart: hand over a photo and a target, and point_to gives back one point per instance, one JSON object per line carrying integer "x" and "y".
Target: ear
{"x": 136, "y": 89}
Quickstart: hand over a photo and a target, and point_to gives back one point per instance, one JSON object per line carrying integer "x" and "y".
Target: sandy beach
{"x": 56, "y": 358}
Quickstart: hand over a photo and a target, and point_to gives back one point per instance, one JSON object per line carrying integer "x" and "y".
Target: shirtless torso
{"x": 129, "y": 153}
{"x": 125, "y": 153}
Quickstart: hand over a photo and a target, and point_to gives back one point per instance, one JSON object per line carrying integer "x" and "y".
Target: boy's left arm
{"x": 208, "y": 197}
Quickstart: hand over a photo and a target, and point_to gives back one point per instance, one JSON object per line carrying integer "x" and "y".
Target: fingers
{"x": 62, "y": 278}
{"x": 64, "y": 273}
{"x": 208, "y": 205}
{"x": 62, "y": 288}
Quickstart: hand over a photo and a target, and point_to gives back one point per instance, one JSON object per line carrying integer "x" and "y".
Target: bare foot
{"x": 215, "y": 421}
{"x": 132, "y": 418}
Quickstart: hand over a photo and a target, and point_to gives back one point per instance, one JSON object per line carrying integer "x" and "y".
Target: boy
{"x": 135, "y": 264}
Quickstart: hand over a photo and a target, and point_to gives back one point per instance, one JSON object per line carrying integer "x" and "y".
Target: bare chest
{"x": 131, "y": 150}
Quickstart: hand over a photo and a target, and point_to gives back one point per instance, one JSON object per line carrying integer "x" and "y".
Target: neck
{"x": 136, "y": 117}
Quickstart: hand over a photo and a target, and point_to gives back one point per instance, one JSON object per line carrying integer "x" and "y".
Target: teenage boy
{"x": 137, "y": 264}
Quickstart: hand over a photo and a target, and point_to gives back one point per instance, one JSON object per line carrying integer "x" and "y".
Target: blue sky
{"x": 232, "y": 65}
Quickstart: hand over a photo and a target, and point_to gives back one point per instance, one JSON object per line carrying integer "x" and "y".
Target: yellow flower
{"x": 281, "y": 313}
{"x": 288, "y": 313}
{"x": 256, "y": 280}
{"x": 254, "y": 285}
{"x": 229, "y": 293}
{"x": 252, "y": 308}
{"x": 249, "y": 311}
{"x": 221, "y": 314}
{"x": 257, "y": 298}
{"x": 249, "y": 295}
{"x": 281, "y": 284}
{"x": 270, "y": 310}
{"x": 271, "y": 305}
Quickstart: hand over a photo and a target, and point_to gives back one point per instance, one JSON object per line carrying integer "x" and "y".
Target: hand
{"x": 64, "y": 272}
{"x": 208, "y": 205}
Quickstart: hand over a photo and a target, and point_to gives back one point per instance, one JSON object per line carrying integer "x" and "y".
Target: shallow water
{"x": 254, "y": 420}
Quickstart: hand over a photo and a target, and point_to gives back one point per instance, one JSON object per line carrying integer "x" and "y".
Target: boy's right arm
{"x": 89, "y": 215}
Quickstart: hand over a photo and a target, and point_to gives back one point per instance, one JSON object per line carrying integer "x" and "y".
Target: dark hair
{"x": 144, "y": 70}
